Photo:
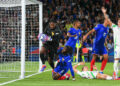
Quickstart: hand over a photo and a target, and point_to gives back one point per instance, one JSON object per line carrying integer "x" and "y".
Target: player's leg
{"x": 103, "y": 76}
{"x": 57, "y": 76}
{"x": 95, "y": 52}
{"x": 51, "y": 55}
{"x": 116, "y": 62}
{"x": 105, "y": 58}
{"x": 42, "y": 56}
{"x": 60, "y": 72}
{"x": 50, "y": 61}
{"x": 93, "y": 62}
{"x": 116, "y": 69}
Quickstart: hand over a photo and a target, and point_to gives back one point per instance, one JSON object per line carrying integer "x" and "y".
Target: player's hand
{"x": 103, "y": 10}
{"x": 94, "y": 67}
{"x": 84, "y": 38}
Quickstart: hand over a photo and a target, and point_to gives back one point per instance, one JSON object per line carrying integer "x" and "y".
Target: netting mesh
{"x": 10, "y": 41}
{"x": 13, "y": 3}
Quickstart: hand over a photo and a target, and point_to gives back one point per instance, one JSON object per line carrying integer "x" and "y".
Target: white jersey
{"x": 116, "y": 34}
{"x": 88, "y": 74}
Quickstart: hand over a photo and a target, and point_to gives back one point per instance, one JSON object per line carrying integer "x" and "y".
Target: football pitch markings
{"x": 4, "y": 83}
{"x": 21, "y": 79}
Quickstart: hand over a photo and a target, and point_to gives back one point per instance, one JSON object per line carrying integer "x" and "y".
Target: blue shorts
{"x": 61, "y": 68}
{"x": 99, "y": 50}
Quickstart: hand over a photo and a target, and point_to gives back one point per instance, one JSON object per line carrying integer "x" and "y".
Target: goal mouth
{"x": 20, "y": 24}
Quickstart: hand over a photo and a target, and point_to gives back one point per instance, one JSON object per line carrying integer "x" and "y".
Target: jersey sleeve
{"x": 70, "y": 31}
{"x": 97, "y": 27}
{"x": 113, "y": 25}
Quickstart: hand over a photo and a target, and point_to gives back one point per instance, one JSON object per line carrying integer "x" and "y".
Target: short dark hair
{"x": 52, "y": 21}
{"x": 77, "y": 20}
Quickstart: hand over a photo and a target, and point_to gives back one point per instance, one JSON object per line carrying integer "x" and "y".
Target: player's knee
{"x": 105, "y": 57}
{"x": 42, "y": 50}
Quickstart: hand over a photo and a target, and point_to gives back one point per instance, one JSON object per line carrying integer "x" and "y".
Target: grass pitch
{"x": 45, "y": 79}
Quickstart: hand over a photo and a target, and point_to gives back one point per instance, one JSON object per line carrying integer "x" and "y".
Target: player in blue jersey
{"x": 64, "y": 64}
{"x": 74, "y": 35}
{"x": 98, "y": 44}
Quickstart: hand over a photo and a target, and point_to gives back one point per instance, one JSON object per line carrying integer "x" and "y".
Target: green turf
{"x": 11, "y": 70}
{"x": 45, "y": 79}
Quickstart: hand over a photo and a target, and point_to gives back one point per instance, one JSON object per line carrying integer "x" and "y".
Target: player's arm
{"x": 106, "y": 16}
{"x": 106, "y": 43}
{"x": 90, "y": 32}
{"x": 69, "y": 35}
{"x": 70, "y": 32}
{"x": 75, "y": 67}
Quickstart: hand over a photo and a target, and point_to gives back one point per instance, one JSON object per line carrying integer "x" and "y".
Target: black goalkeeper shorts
{"x": 51, "y": 50}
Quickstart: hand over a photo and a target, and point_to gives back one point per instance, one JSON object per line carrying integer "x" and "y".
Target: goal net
{"x": 20, "y": 23}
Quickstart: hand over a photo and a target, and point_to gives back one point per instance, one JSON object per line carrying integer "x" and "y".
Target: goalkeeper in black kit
{"x": 49, "y": 48}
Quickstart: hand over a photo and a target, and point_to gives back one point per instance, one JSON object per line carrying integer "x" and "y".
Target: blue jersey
{"x": 98, "y": 45}
{"x": 101, "y": 34}
{"x": 72, "y": 40}
{"x": 65, "y": 64}
{"x": 66, "y": 58}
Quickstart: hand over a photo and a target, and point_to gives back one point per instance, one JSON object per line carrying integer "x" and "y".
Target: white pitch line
{"x": 21, "y": 79}
{"x": 25, "y": 77}
{"x": 37, "y": 73}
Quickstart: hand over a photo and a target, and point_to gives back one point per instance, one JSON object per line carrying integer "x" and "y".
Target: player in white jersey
{"x": 116, "y": 34}
{"x": 85, "y": 73}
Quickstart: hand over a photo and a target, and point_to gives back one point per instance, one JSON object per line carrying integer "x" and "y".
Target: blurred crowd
{"x": 64, "y": 12}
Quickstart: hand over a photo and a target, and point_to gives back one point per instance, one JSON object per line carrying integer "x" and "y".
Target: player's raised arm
{"x": 75, "y": 67}
{"x": 106, "y": 16}
{"x": 90, "y": 32}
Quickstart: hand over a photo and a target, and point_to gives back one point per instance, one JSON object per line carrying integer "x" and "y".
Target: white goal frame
{"x": 23, "y": 23}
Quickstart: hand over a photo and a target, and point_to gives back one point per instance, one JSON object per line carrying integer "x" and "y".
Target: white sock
{"x": 116, "y": 66}
{"x": 108, "y": 78}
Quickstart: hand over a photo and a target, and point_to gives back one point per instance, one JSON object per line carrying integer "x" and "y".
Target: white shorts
{"x": 117, "y": 52}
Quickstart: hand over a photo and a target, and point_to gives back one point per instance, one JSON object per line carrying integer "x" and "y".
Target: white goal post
{"x": 23, "y": 19}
